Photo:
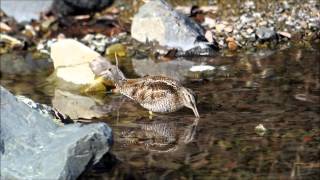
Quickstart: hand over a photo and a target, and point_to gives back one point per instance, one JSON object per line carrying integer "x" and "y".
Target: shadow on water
{"x": 277, "y": 89}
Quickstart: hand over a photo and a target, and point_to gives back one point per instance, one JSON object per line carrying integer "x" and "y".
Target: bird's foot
{"x": 150, "y": 115}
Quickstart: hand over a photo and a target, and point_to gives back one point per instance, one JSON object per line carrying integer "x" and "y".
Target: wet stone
{"x": 24, "y": 64}
{"x": 28, "y": 153}
{"x": 264, "y": 33}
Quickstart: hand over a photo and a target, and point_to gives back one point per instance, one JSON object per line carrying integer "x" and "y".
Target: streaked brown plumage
{"x": 155, "y": 93}
{"x": 159, "y": 94}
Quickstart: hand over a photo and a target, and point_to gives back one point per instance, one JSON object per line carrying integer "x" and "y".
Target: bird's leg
{"x": 195, "y": 111}
{"x": 191, "y": 131}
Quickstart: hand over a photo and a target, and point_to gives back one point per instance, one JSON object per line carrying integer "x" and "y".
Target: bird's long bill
{"x": 195, "y": 111}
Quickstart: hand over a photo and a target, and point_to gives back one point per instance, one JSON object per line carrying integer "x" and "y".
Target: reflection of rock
{"x": 158, "y": 21}
{"x": 34, "y": 147}
{"x": 177, "y": 69}
{"x": 25, "y": 10}
{"x": 77, "y": 106}
{"x": 23, "y": 65}
{"x": 71, "y": 59}
{"x": 159, "y": 136}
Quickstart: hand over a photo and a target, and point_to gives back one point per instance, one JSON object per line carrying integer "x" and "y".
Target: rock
{"x": 209, "y": 36}
{"x": 46, "y": 111}
{"x": 263, "y": 23}
{"x": 118, "y": 49}
{"x": 264, "y": 33}
{"x": 229, "y": 29}
{"x": 250, "y": 31}
{"x": 220, "y": 28}
{"x": 11, "y": 41}
{"x": 46, "y": 24}
{"x": 71, "y": 60}
{"x": 177, "y": 69}
{"x": 31, "y": 142}
{"x": 4, "y": 27}
{"x": 260, "y": 129}
{"x": 284, "y": 34}
{"x": 63, "y": 53}
{"x": 29, "y": 31}
{"x": 78, "y": 7}
{"x": 19, "y": 64}
{"x": 201, "y": 68}
{"x": 249, "y": 5}
{"x": 79, "y": 74}
{"x": 25, "y": 10}
{"x": 211, "y": 23}
{"x": 232, "y": 45}
{"x": 99, "y": 42}
{"x": 86, "y": 107}
{"x": 158, "y": 21}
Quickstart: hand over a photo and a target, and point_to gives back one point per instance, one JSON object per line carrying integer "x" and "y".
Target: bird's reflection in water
{"x": 159, "y": 136}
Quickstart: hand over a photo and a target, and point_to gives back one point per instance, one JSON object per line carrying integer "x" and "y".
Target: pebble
{"x": 284, "y": 34}
{"x": 260, "y": 129}
{"x": 220, "y": 28}
{"x": 209, "y": 36}
{"x": 264, "y": 33}
{"x": 250, "y": 31}
{"x": 232, "y": 45}
{"x": 201, "y": 68}
{"x": 12, "y": 41}
{"x": 229, "y": 29}
{"x": 98, "y": 42}
{"x": 4, "y": 27}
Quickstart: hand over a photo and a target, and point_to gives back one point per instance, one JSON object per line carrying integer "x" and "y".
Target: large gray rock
{"x": 25, "y": 10}
{"x": 158, "y": 21}
{"x": 77, "y": 7}
{"x": 34, "y": 147}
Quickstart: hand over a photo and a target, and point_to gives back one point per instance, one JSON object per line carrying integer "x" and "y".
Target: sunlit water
{"x": 278, "y": 89}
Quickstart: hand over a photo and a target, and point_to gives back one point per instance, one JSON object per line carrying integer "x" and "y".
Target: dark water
{"x": 279, "y": 89}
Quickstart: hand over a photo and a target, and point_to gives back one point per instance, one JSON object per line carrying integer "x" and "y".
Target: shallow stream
{"x": 276, "y": 89}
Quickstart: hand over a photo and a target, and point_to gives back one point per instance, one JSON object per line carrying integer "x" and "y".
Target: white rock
{"x": 69, "y": 52}
{"x": 200, "y": 68}
{"x": 79, "y": 74}
{"x": 71, "y": 60}
{"x": 260, "y": 129}
{"x": 211, "y": 23}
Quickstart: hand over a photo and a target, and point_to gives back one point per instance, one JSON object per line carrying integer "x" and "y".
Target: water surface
{"x": 279, "y": 89}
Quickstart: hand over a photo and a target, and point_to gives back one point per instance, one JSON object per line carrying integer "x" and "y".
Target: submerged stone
{"x": 19, "y": 64}
{"x": 34, "y": 147}
{"x": 86, "y": 107}
{"x": 177, "y": 69}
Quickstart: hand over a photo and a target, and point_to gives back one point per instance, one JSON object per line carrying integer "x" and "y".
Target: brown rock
{"x": 232, "y": 45}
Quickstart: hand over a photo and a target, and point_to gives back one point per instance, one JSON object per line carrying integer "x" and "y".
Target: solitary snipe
{"x": 155, "y": 93}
